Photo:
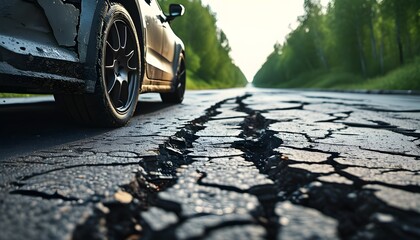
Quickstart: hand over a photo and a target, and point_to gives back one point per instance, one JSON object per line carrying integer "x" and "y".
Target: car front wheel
{"x": 119, "y": 67}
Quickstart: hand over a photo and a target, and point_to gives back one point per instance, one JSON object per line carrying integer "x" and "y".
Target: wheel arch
{"x": 90, "y": 27}
{"x": 89, "y": 31}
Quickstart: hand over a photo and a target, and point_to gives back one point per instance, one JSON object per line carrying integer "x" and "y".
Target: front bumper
{"x": 30, "y": 74}
{"x": 20, "y": 81}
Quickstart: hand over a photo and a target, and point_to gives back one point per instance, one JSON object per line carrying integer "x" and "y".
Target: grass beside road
{"x": 406, "y": 77}
{"x": 194, "y": 83}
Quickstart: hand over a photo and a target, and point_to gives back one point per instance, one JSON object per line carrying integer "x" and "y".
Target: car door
{"x": 154, "y": 31}
{"x": 168, "y": 50}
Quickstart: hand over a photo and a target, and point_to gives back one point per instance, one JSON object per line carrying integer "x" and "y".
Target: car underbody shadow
{"x": 30, "y": 127}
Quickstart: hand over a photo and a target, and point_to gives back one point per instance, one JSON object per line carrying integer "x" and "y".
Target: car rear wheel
{"x": 177, "y": 96}
{"x": 119, "y": 67}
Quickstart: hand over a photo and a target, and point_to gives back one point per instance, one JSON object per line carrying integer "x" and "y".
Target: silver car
{"x": 95, "y": 56}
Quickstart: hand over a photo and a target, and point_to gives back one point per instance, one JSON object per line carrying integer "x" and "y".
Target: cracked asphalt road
{"x": 234, "y": 164}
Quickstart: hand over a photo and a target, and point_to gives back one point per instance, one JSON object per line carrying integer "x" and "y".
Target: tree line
{"x": 353, "y": 40}
{"x": 207, "y": 47}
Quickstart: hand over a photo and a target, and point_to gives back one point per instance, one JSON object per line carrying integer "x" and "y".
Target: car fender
{"x": 91, "y": 25}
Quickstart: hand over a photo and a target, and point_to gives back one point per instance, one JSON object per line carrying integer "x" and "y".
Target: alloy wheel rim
{"x": 121, "y": 66}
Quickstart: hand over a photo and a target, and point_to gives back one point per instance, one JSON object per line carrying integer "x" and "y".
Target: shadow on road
{"x": 28, "y": 127}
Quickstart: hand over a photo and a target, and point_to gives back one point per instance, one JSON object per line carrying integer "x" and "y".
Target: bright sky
{"x": 253, "y": 27}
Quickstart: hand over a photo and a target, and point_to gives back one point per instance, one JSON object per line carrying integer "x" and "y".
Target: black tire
{"x": 119, "y": 67}
{"x": 177, "y": 96}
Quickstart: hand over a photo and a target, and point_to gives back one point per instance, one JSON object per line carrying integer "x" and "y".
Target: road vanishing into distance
{"x": 228, "y": 164}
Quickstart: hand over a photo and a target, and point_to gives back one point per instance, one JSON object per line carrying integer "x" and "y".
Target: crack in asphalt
{"x": 360, "y": 183}
{"x": 160, "y": 173}
{"x": 248, "y": 168}
{"x": 353, "y": 206}
{"x": 335, "y": 98}
{"x": 300, "y": 107}
{"x": 300, "y": 187}
{"x": 25, "y": 178}
{"x": 232, "y": 170}
{"x": 330, "y": 133}
{"x": 258, "y": 145}
{"x": 223, "y": 187}
{"x": 46, "y": 196}
{"x": 407, "y": 132}
{"x": 178, "y": 155}
{"x": 336, "y": 118}
{"x": 312, "y": 149}
{"x": 391, "y": 110}
{"x": 350, "y": 223}
{"x": 344, "y": 228}
{"x": 417, "y": 157}
{"x": 377, "y": 126}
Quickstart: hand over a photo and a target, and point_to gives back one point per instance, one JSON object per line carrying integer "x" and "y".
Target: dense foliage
{"x": 208, "y": 62}
{"x": 347, "y": 45}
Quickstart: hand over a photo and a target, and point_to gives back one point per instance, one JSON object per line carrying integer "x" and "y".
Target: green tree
{"x": 346, "y": 43}
{"x": 207, "y": 47}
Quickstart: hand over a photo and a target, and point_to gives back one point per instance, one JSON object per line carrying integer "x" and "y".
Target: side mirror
{"x": 175, "y": 10}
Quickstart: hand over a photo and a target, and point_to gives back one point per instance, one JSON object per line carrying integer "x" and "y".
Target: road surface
{"x": 231, "y": 164}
